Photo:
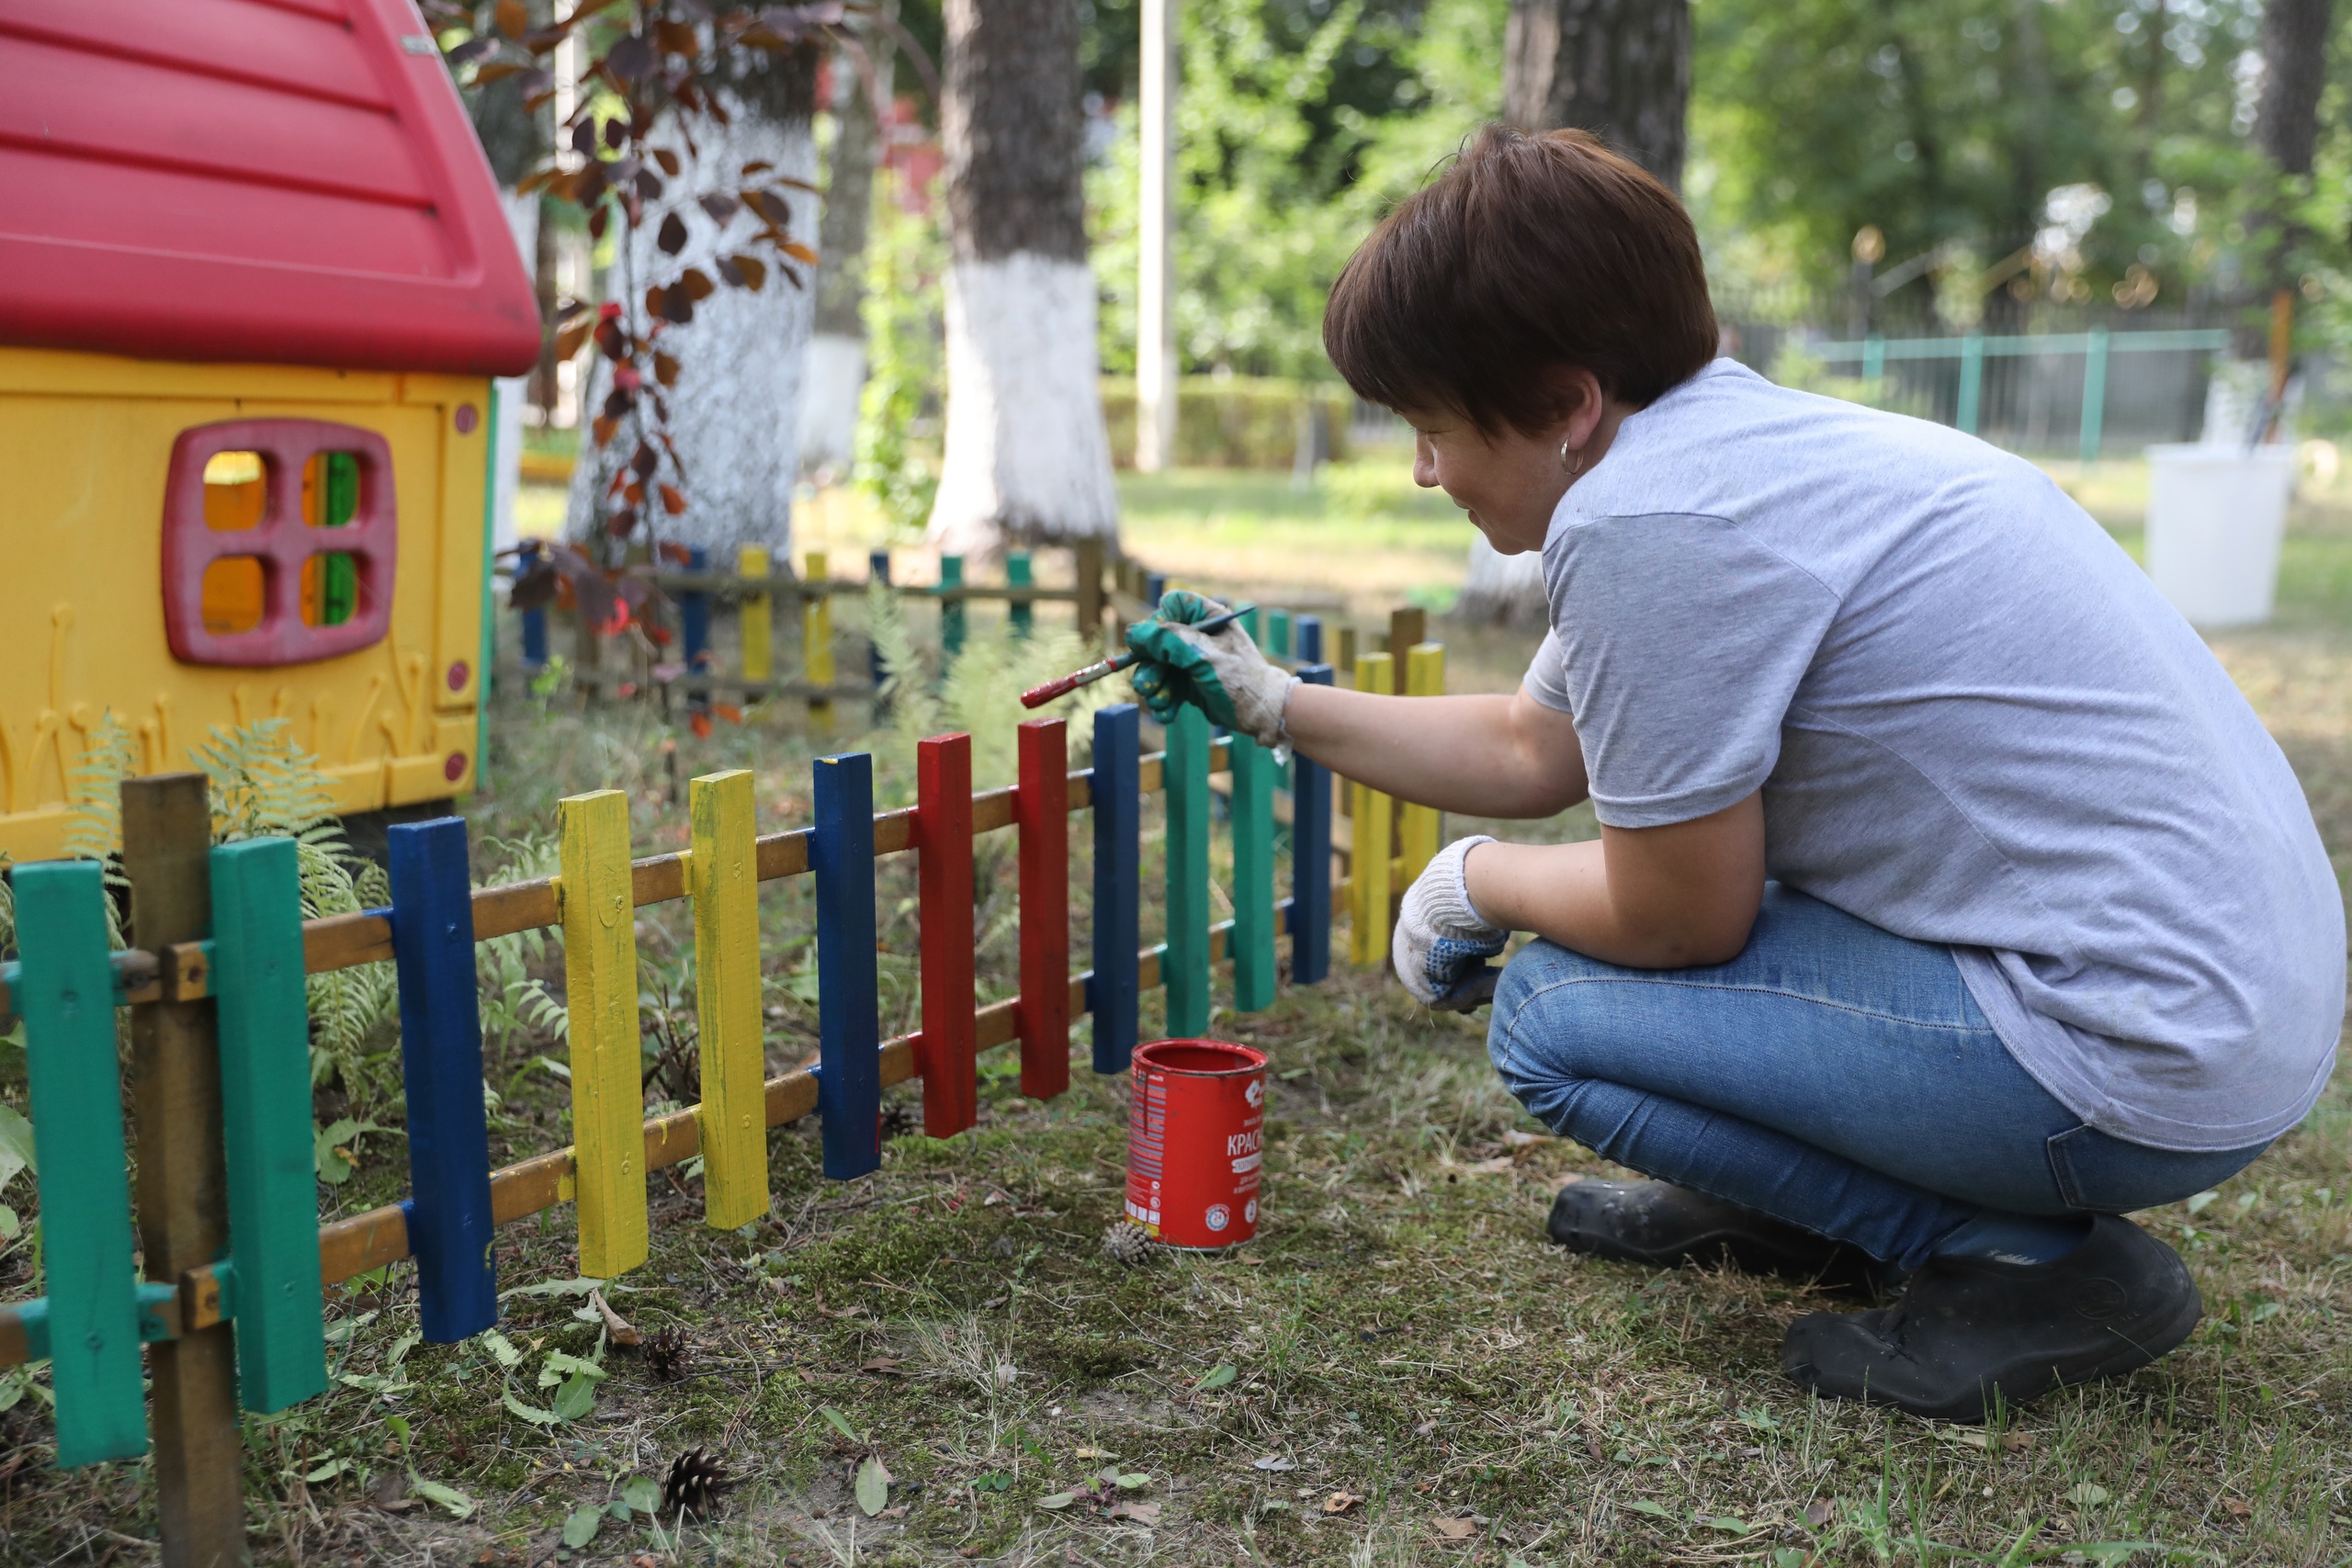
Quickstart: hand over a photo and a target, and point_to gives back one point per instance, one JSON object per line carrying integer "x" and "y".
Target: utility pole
{"x": 1156, "y": 282}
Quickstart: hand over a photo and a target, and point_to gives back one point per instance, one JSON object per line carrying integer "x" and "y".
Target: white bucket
{"x": 2216, "y": 516}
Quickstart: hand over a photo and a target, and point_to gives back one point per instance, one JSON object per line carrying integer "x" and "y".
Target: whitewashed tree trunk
{"x": 1027, "y": 457}
{"x": 1504, "y": 590}
{"x": 836, "y": 372}
{"x": 734, "y": 411}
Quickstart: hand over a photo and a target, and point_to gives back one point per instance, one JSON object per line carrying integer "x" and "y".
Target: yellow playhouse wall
{"x": 86, "y": 442}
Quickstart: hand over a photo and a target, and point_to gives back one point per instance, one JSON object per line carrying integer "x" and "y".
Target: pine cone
{"x": 1128, "y": 1243}
{"x": 695, "y": 1480}
{"x": 666, "y": 1354}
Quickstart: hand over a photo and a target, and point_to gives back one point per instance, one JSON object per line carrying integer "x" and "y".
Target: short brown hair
{"x": 1530, "y": 254}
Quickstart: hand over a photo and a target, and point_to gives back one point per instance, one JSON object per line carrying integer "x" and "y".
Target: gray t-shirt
{"x": 1974, "y": 722}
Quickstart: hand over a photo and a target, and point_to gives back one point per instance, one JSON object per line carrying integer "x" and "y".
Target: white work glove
{"x": 1221, "y": 673}
{"x": 1442, "y": 945}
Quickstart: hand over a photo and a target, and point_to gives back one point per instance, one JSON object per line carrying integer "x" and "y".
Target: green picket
{"x": 65, "y": 992}
{"x": 1186, "y": 970}
{"x": 265, "y": 1123}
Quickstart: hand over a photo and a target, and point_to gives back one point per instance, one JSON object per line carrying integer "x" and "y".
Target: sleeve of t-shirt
{"x": 1676, "y": 644}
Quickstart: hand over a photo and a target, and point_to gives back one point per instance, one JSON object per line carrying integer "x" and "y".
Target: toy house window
{"x": 279, "y": 541}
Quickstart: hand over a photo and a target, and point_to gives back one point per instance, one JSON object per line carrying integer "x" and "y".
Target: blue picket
{"x": 878, "y": 570}
{"x": 1307, "y": 638}
{"x": 1117, "y": 790}
{"x": 849, "y": 1026}
{"x": 1310, "y": 841}
{"x": 693, "y": 613}
{"x": 535, "y": 621}
{"x": 1155, "y": 583}
{"x": 448, "y": 1213}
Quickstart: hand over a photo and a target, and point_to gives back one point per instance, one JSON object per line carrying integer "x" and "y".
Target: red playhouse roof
{"x": 290, "y": 180}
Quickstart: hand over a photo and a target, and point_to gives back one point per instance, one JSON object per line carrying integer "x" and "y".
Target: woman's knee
{"x": 1533, "y": 1033}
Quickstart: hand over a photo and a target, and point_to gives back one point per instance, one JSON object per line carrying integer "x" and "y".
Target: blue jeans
{"x": 1833, "y": 1075}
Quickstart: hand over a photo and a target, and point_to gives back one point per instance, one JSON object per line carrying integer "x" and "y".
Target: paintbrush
{"x": 1038, "y": 697}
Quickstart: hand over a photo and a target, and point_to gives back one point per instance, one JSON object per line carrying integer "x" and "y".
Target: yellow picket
{"x": 1417, "y": 826}
{"x": 1374, "y": 821}
{"x": 755, "y": 619}
{"x": 600, "y": 980}
{"x": 724, "y": 877}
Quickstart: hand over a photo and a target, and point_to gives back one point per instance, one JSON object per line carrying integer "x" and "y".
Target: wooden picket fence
{"x": 232, "y": 1308}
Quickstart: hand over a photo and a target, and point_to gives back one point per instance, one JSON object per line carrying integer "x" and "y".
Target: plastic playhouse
{"x": 256, "y": 283}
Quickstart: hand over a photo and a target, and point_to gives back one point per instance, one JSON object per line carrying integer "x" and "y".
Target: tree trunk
{"x": 1027, "y": 457}
{"x": 2294, "y": 68}
{"x": 837, "y": 348}
{"x": 734, "y": 410}
{"x": 1620, "y": 69}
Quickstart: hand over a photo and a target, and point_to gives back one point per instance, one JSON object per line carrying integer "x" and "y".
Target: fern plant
{"x": 511, "y": 999}
{"x": 980, "y": 693}
{"x": 264, "y": 785}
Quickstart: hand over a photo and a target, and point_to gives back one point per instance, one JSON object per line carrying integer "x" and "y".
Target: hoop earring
{"x": 1576, "y": 469}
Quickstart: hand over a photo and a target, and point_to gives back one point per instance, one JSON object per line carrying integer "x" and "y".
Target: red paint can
{"x": 1197, "y": 1138}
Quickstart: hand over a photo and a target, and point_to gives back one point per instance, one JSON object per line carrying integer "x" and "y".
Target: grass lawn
{"x": 1399, "y": 1371}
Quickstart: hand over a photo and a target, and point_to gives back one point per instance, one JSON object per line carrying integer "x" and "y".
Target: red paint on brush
{"x": 1196, "y": 1142}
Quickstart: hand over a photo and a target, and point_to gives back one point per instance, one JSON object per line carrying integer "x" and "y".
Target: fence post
{"x": 693, "y": 614}
{"x": 1418, "y": 828}
{"x": 878, "y": 570}
{"x": 1408, "y": 627}
{"x": 1116, "y": 789}
{"x": 535, "y": 620}
{"x": 945, "y": 1049}
{"x": 817, "y": 638}
{"x": 1972, "y": 381}
{"x": 1308, "y": 638}
{"x": 265, "y": 1107}
{"x": 182, "y": 1190}
{"x": 1017, "y": 574}
{"x": 448, "y": 1215}
{"x": 65, "y": 994}
{"x": 607, "y": 1073}
{"x": 1155, "y": 584}
{"x": 1310, "y": 847}
{"x": 1254, "y": 975}
{"x": 1873, "y": 357}
{"x": 755, "y": 621}
{"x": 1042, "y": 806}
{"x": 723, "y": 877}
{"x": 951, "y": 611}
{"x": 2094, "y": 393}
{"x": 1185, "y": 971}
{"x": 1090, "y": 591}
{"x": 1368, "y": 862}
{"x": 849, "y": 1027}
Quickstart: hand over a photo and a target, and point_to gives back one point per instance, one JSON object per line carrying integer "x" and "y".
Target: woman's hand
{"x": 1220, "y": 672}
{"x": 1442, "y": 945}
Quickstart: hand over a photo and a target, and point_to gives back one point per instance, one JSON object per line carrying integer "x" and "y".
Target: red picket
{"x": 1043, "y": 811}
{"x": 945, "y": 1049}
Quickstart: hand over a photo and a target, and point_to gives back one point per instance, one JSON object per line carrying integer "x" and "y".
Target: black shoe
{"x": 1970, "y": 1328}
{"x": 1665, "y": 1227}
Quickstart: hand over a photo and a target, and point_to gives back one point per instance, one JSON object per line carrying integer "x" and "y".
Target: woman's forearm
{"x": 1648, "y": 898}
{"x": 1483, "y": 756}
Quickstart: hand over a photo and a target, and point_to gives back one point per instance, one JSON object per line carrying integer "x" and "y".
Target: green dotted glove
{"x": 1171, "y": 672}
{"x": 1220, "y": 672}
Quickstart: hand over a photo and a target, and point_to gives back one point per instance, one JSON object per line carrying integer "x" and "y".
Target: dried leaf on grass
{"x": 1274, "y": 1461}
{"x": 1141, "y": 1513}
{"x": 617, "y": 1327}
{"x": 1341, "y": 1502}
{"x": 1455, "y": 1527}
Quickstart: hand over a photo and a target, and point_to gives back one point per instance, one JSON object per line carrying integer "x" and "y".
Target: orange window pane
{"x": 235, "y": 485}
{"x": 233, "y": 594}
